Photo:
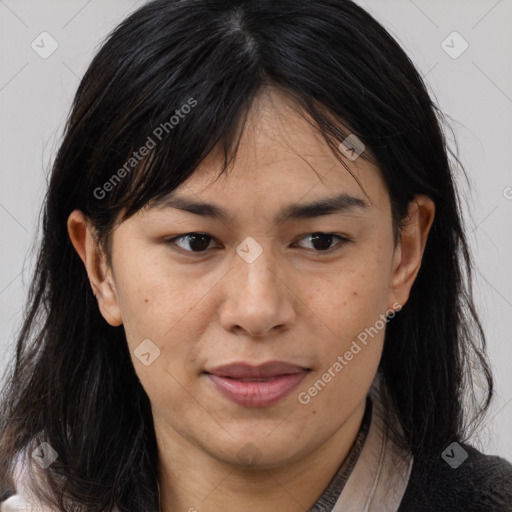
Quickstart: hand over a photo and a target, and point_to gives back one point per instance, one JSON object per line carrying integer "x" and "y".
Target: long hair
{"x": 72, "y": 382}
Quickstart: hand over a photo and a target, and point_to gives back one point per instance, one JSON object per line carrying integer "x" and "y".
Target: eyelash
{"x": 343, "y": 241}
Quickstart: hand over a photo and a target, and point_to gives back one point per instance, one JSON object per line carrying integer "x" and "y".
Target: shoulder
{"x": 456, "y": 482}
{"x": 23, "y": 500}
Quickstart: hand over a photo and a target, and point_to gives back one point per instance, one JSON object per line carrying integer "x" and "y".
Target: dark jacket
{"x": 481, "y": 483}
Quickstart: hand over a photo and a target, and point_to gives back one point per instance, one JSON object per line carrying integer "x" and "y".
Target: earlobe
{"x": 85, "y": 243}
{"x": 409, "y": 253}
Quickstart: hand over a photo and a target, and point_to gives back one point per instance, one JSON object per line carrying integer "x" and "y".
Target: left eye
{"x": 199, "y": 242}
{"x": 322, "y": 241}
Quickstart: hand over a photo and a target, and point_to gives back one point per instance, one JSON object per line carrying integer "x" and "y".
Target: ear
{"x": 84, "y": 241}
{"x": 409, "y": 252}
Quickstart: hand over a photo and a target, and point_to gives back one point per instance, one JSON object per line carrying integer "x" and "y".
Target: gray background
{"x": 474, "y": 89}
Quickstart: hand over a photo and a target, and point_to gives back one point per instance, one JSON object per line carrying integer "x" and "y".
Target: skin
{"x": 293, "y": 303}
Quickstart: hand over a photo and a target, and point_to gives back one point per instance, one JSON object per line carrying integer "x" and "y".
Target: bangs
{"x": 160, "y": 109}
{"x": 169, "y": 157}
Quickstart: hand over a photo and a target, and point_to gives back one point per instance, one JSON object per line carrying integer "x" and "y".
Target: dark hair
{"x": 72, "y": 382}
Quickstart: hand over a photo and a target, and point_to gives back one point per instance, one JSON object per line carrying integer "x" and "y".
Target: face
{"x": 252, "y": 288}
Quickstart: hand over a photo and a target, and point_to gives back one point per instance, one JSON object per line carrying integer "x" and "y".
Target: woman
{"x": 260, "y": 369}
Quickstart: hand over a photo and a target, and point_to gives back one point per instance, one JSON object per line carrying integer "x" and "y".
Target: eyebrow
{"x": 342, "y": 203}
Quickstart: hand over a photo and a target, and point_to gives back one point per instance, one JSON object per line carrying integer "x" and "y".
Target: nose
{"x": 258, "y": 299}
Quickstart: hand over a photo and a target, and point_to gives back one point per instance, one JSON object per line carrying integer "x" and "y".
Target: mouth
{"x": 256, "y": 386}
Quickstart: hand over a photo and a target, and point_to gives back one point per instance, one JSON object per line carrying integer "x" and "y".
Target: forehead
{"x": 283, "y": 170}
{"x": 283, "y": 156}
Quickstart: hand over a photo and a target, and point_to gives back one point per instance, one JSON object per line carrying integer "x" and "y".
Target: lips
{"x": 256, "y": 386}
{"x": 263, "y": 371}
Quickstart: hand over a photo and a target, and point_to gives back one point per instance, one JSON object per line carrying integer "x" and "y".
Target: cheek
{"x": 353, "y": 296}
{"x": 150, "y": 293}
{"x": 167, "y": 307}
{"x": 349, "y": 354}
{"x": 351, "y": 304}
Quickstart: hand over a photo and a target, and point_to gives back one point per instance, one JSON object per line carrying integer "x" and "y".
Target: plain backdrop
{"x": 473, "y": 87}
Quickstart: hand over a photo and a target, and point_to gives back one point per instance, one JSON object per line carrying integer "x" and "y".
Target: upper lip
{"x": 242, "y": 370}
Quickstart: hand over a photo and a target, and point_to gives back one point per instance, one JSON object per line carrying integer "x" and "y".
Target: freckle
{"x": 145, "y": 300}
{"x": 354, "y": 294}
{"x": 314, "y": 412}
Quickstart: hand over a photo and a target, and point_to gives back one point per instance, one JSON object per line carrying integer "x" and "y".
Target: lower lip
{"x": 257, "y": 393}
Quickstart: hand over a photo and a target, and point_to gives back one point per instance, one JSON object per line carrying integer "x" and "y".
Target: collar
{"x": 375, "y": 474}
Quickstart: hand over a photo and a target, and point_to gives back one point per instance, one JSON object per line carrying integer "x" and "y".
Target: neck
{"x": 193, "y": 480}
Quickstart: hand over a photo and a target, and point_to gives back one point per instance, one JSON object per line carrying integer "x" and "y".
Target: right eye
{"x": 197, "y": 241}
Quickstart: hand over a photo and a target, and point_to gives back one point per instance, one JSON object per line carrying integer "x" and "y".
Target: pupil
{"x": 194, "y": 238}
{"x": 319, "y": 236}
